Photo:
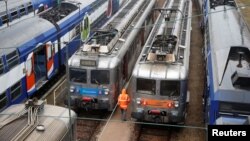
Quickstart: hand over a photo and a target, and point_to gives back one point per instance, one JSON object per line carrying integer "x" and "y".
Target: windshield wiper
{"x": 173, "y": 92}
{"x": 96, "y": 82}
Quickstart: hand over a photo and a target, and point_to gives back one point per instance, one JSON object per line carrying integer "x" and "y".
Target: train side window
{"x": 22, "y": 11}
{"x": 3, "y": 100}
{"x": 1, "y": 66}
{"x": 30, "y": 8}
{"x": 76, "y": 31}
{"x": 12, "y": 59}
{"x": 146, "y": 86}
{"x": 14, "y": 15}
{"x": 49, "y": 50}
{"x": 4, "y": 19}
{"x": 16, "y": 90}
{"x": 29, "y": 66}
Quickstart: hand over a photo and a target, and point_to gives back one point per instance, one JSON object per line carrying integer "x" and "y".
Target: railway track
{"x": 89, "y": 123}
{"x": 154, "y": 133}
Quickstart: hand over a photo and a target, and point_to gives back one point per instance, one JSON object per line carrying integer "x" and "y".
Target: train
{"x": 35, "y": 50}
{"x": 11, "y": 10}
{"x": 103, "y": 65}
{"x": 159, "y": 80}
{"x": 227, "y": 59}
{"x": 36, "y": 121}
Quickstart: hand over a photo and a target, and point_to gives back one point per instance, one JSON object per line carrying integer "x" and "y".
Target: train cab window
{"x": 16, "y": 90}
{"x": 1, "y": 66}
{"x": 235, "y": 108}
{"x": 78, "y": 75}
{"x": 12, "y": 59}
{"x": 100, "y": 77}
{"x": 3, "y": 100}
{"x": 170, "y": 88}
{"x": 146, "y": 86}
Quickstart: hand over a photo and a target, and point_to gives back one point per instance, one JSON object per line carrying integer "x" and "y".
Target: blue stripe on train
{"x": 90, "y": 91}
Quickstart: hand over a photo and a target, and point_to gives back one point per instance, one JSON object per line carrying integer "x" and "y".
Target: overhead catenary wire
{"x": 128, "y": 121}
{"x": 103, "y": 35}
{"x": 133, "y": 28}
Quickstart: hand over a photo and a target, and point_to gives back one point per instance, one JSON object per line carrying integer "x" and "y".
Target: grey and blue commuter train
{"x": 102, "y": 66}
{"x": 227, "y": 59}
{"x": 159, "y": 81}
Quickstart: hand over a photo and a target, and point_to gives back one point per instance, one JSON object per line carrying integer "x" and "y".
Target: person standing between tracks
{"x": 123, "y": 101}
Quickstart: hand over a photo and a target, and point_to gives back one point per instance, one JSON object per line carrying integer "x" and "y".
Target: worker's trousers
{"x": 123, "y": 112}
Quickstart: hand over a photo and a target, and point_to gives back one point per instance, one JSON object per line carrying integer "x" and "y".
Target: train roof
{"x": 221, "y": 42}
{"x": 229, "y": 37}
{"x": 55, "y": 120}
{"x": 110, "y": 48}
{"x": 19, "y": 34}
{"x": 167, "y": 57}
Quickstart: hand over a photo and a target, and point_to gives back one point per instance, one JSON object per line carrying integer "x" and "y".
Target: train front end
{"x": 159, "y": 100}
{"x": 90, "y": 87}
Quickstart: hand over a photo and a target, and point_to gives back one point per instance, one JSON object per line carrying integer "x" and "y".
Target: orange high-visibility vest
{"x": 123, "y": 101}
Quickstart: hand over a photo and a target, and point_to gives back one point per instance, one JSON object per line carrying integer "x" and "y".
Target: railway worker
{"x": 123, "y": 101}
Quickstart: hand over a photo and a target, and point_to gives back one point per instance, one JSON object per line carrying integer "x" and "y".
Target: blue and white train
{"x": 17, "y": 9}
{"x": 227, "y": 56}
{"x": 34, "y": 50}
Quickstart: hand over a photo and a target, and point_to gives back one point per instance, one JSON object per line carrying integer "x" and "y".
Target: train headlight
{"x": 72, "y": 89}
{"x": 106, "y": 91}
{"x": 176, "y": 104}
{"x": 138, "y": 101}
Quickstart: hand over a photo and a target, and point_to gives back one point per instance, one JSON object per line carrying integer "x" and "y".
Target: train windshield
{"x": 236, "y": 108}
{"x": 78, "y": 75}
{"x": 170, "y": 88}
{"x": 146, "y": 86}
{"x": 99, "y": 77}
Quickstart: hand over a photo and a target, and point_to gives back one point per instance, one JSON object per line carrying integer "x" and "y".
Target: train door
{"x": 50, "y": 59}
{"x": 40, "y": 67}
{"x": 30, "y": 73}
